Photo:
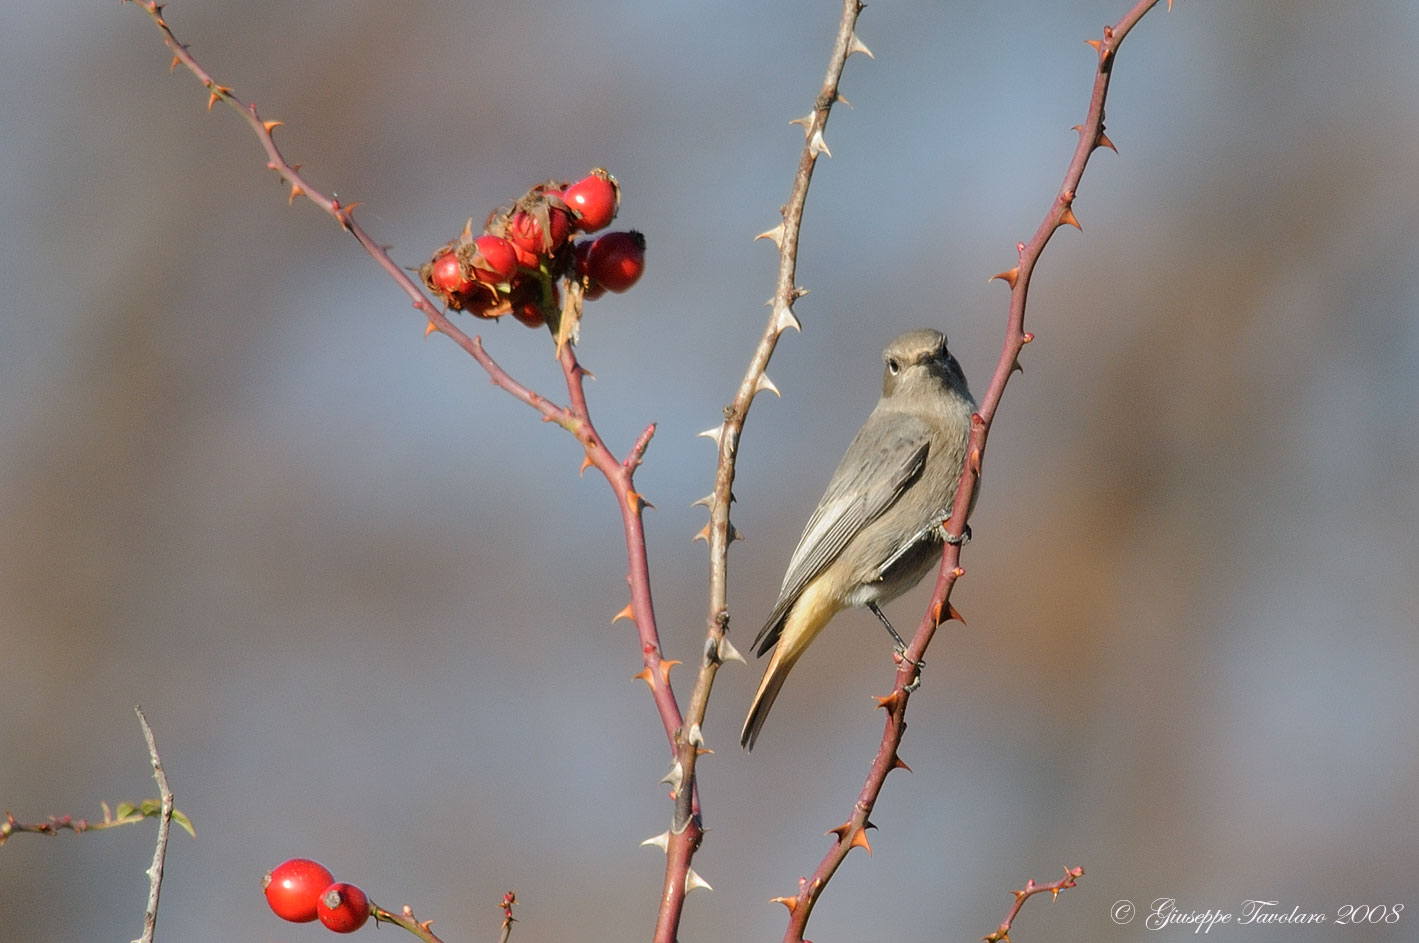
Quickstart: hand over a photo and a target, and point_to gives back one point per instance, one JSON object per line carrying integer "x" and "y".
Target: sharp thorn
{"x": 727, "y": 652}
{"x": 661, "y": 841}
{"x": 676, "y": 777}
{"x": 716, "y": 434}
{"x": 784, "y": 318}
{"x": 775, "y": 235}
{"x": 764, "y": 383}
{"x": 1009, "y": 276}
{"x": 889, "y": 703}
{"x": 857, "y": 45}
{"x": 816, "y": 145}
{"x": 694, "y": 882}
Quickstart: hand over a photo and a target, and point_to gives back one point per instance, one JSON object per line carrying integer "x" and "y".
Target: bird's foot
{"x": 960, "y": 541}
{"x": 901, "y": 657}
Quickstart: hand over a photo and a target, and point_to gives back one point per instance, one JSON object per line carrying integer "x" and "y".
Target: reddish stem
{"x": 1001, "y": 934}
{"x": 1091, "y": 137}
{"x": 575, "y": 418}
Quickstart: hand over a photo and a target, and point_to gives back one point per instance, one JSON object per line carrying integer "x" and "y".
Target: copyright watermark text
{"x": 1165, "y": 913}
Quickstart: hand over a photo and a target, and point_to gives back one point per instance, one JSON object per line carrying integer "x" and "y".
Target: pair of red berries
{"x": 512, "y": 266}
{"x": 302, "y": 890}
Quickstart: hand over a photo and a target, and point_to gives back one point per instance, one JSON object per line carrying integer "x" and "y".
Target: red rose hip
{"x": 447, "y": 275}
{"x": 343, "y": 908}
{"x": 594, "y": 199}
{"x": 293, "y": 888}
{"x": 495, "y": 260}
{"x": 616, "y": 260}
{"x": 525, "y": 234}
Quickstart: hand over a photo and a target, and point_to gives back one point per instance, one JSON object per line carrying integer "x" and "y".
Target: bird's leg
{"x": 901, "y": 646}
{"x": 877, "y": 611}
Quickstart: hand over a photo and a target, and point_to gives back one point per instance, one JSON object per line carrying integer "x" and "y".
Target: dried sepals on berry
{"x": 492, "y": 259}
{"x": 537, "y": 224}
{"x": 515, "y": 264}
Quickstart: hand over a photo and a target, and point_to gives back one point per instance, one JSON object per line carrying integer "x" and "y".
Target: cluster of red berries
{"x": 512, "y": 267}
{"x": 302, "y": 890}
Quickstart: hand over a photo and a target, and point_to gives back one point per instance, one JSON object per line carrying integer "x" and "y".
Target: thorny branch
{"x": 575, "y": 418}
{"x": 160, "y": 852}
{"x": 1001, "y": 934}
{"x": 852, "y": 833}
{"x": 405, "y": 919}
{"x": 686, "y": 831}
{"x": 684, "y": 734}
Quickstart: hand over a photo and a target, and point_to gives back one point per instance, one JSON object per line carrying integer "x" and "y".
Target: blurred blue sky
{"x": 365, "y": 599}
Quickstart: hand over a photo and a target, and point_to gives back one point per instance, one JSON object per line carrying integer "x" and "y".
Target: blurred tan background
{"x": 365, "y": 599}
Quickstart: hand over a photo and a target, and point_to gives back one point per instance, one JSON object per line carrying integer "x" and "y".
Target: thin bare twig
{"x": 155, "y": 872}
{"x": 852, "y": 833}
{"x": 122, "y": 813}
{"x": 423, "y": 929}
{"x": 1001, "y": 934}
{"x": 509, "y": 899}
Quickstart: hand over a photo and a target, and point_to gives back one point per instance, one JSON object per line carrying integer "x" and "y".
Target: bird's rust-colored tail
{"x": 814, "y": 609}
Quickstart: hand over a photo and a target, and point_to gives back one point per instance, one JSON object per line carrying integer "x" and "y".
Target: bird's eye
{"x": 893, "y": 366}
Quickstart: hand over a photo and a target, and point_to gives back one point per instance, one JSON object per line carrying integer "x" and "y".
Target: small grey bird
{"x": 878, "y": 528}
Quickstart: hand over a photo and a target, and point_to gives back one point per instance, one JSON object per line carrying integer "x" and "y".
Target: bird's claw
{"x": 960, "y": 541}
{"x": 918, "y": 664}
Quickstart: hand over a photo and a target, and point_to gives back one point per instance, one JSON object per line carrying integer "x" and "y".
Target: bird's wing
{"x": 880, "y": 464}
